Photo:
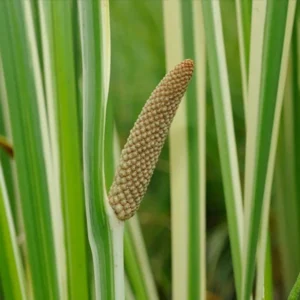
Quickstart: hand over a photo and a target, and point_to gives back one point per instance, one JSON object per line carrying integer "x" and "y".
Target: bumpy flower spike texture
{"x": 146, "y": 139}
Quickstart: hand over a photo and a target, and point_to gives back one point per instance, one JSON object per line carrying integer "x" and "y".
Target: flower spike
{"x": 142, "y": 149}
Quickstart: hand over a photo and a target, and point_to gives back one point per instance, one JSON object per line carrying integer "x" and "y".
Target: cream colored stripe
{"x": 178, "y": 158}
{"x": 256, "y": 48}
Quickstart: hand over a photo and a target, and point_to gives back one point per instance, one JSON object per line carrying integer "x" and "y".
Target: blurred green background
{"x": 138, "y": 64}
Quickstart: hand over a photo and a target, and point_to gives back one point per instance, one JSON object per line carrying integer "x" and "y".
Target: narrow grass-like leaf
{"x": 60, "y": 80}
{"x": 258, "y": 23}
{"x": 132, "y": 268}
{"x": 178, "y": 160}
{"x": 277, "y": 35}
{"x": 11, "y": 269}
{"x": 264, "y": 283}
{"x": 243, "y": 13}
{"x": 256, "y": 59}
{"x": 257, "y": 38}
{"x": 48, "y": 53}
{"x": 29, "y": 133}
{"x": 225, "y": 131}
{"x": 136, "y": 262}
{"x": 105, "y": 238}
{"x": 187, "y": 152}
